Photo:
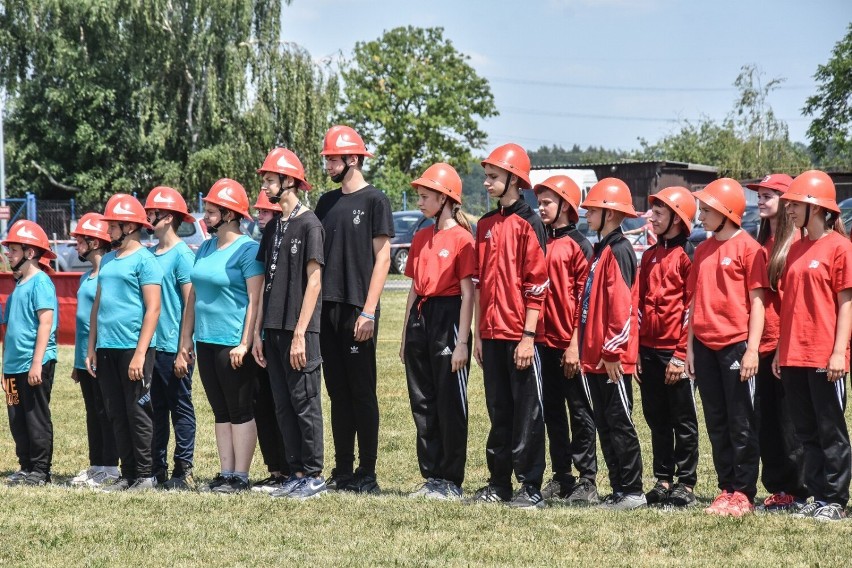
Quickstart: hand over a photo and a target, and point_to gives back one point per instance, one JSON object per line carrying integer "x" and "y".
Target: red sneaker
{"x": 739, "y": 505}
{"x": 720, "y": 504}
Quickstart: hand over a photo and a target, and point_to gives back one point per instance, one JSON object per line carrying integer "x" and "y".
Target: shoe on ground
{"x": 659, "y": 494}
{"x": 287, "y": 487}
{"x": 443, "y": 490}
{"x": 681, "y": 496}
{"x": 234, "y": 485}
{"x": 739, "y": 505}
{"x": 36, "y": 479}
{"x": 527, "y": 497}
{"x": 492, "y": 494}
{"x": 779, "y": 503}
{"x": 829, "y": 513}
{"x": 719, "y": 505}
{"x": 557, "y": 488}
{"x": 144, "y": 484}
{"x": 308, "y": 488}
{"x": 338, "y": 480}
{"x": 81, "y": 478}
{"x": 121, "y": 484}
{"x": 625, "y": 502}
{"x": 180, "y": 481}
{"x": 269, "y": 484}
{"x": 584, "y": 493}
{"x": 425, "y": 488}
{"x": 363, "y": 482}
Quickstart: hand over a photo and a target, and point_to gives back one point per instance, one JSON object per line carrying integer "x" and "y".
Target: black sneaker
{"x": 527, "y": 497}
{"x": 362, "y": 482}
{"x": 492, "y": 494}
{"x": 557, "y": 489}
{"x": 585, "y": 493}
{"x": 658, "y": 495}
{"x": 121, "y": 484}
{"x": 338, "y": 481}
{"x": 36, "y": 479}
{"x": 234, "y": 485}
{"x": 217, "y": 481}
{"x": 680, "y": 496}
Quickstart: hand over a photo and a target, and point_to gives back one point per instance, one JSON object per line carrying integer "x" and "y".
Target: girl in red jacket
{"x": 725, "y": 323}
{"x": 781, "y": 454}
{"x": 668, "y": 401}
{"x": 436, "y": 333}
{"x": 813, "y": 351}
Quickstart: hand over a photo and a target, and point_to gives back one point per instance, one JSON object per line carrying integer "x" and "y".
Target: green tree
{"x": 830, "y": 131}
{"x": 113, "y": 95}
{"x": 415, "y": 99}
{"x": 749, "y": 143}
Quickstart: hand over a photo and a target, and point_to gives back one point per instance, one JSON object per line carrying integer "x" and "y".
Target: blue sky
{"x": 602, "y": 72}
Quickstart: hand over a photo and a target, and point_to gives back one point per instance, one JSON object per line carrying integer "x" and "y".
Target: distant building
{"x": 646, "y": 177}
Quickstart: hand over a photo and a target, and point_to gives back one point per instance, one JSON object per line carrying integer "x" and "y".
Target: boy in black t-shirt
{"x": 292, "y": 251}
{"x": 358, "y": 227}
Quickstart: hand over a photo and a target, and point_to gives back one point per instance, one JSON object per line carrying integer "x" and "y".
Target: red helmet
{"x": 342, "y": 140}
{"x": 565, "y": 188}
{"x": 814, "y": 187}
{"x": 229, "y": 194}
{"x": 775, "y": 182}
{"x": 286, "y": 163}
{"x": 168, "y": 199}
{"x": 442, "y": 178}
{"x": 29, "y": 234}
{"x": 513, "y": 159}
{"x": 680, "y": 200}
{"x": 726, "y": 196}
{"x": 264, "y": 203}
{"x": 92, "y": 225}
{"x": 123, "y": 208}
{"x": 611, "y": 193}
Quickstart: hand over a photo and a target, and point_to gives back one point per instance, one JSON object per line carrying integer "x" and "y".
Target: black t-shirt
{"x": 351, "y": 222}
{"x": 302, "y": 243}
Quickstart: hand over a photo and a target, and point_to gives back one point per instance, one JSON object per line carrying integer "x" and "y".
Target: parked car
{"x": 193, "y": 234}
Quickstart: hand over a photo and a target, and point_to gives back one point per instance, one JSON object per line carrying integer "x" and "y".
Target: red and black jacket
{"x": 567, "y": 257}
{"x": 608, "y": 321}
{"x": 511, "y": 274}
{"x": 663, "y": 298}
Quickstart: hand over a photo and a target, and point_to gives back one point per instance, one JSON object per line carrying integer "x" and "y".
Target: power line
{"x": 560, "y": 85}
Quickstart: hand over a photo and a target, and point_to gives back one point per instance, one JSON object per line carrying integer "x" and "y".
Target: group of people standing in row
{"x": 560, "y": 327}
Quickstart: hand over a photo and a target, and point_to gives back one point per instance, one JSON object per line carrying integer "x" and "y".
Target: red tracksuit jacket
{"x": 511, "y": 275}
{"x": 608, "y": 322}
{"x": 663, "y": 297}
{"x": 567, "y": 257}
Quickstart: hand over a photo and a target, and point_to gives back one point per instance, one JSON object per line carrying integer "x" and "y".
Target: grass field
{"x": 59, "y": 526}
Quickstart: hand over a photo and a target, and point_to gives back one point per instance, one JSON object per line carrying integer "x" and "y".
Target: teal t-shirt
{"x": 21, "y": 319}
{"x": 219, "y": 279}
{"x": 85, "y": 298}
{"x": 121, "y": 307}
{"x": 176, "y": 264}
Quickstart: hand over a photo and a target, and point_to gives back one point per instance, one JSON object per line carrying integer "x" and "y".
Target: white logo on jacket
{"x": 225, "y": 194}
{"x": 814, "y": 264}
{"x": 444, "y": 253}
{"x": 726, "y": 261}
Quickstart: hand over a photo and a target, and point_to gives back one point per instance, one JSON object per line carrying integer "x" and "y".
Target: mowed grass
{"x": 60, "y": 526}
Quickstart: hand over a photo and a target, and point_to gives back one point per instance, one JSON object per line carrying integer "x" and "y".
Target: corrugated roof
{"x": 671, "y": 163}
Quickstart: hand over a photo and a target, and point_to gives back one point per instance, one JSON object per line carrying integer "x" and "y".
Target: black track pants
{"x": 298, "y": 404}
{"x": 513, "y": 397}
{"x": 438, "y": 395}
{"x": 730, "y": 416}
{"x": 30, "y": 420}
{"x": 781, "y": 453}
{"x": 349, "y": 369}
{"x": 128, "y": 405}
{"x": 670, "y": 413}
{"x": 817, "y": 408}
{"x": 577, "y": 443}
{"x": 613, "y": 407}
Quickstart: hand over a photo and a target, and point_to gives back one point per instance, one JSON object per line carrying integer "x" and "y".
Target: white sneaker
{"x": 84, "y": 476}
